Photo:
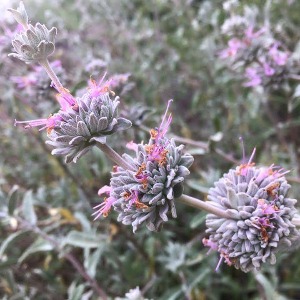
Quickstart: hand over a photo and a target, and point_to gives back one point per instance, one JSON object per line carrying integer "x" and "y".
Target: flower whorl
{"x": 261, "y": 214}
{"x": 145, "y": 192}
{"x": 35, "y": 43}
{"x": 83, "y": 122}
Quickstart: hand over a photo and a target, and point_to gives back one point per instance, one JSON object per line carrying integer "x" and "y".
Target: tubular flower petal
{"x": 48, "y": 123}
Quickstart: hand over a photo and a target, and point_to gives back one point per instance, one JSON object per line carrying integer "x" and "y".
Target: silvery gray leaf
{"x": 20, "y": 14}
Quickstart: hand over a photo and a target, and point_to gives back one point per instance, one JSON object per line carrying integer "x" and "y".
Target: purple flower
{"x": 146, "y": 191}
{"x": 103, "y": 208}
{"x": 268, "y": 70}
{"x": 234, "y": 45}
{"x": 48, "y": 123}
{"x": 24, "y": 81}
{"x": 66, "y": 100}
{"x": 250, "y": 34}
{"x": 279, "y": 57}
{"x": 100, "y": 88}
{"x": 254, "y": 78}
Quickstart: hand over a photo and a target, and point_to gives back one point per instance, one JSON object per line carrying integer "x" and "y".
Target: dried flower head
{"x": 261, "y": 214}
{"x": 35, "y": 43}
{"x": 146, "y": 192}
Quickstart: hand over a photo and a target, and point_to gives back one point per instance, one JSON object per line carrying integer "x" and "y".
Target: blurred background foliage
{"x": 50, "y": 246}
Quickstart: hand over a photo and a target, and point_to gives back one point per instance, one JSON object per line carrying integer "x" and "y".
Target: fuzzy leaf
{"x": 12, "y": 199}
{"x": 84, "y": 239}
{"x": 12, "y": 237}
{"x": 28, "y": 209}
{"x": 40, "y": 245}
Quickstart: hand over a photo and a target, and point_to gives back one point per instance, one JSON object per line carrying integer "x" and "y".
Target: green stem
{"x": 114, "y": 156}
{"x": 45, "y": 64}
{"x": 203, "y": 205}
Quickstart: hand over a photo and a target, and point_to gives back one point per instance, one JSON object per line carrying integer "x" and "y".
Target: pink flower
{"x": 208, "y": 243}
{"x": 234, "y": 45}
{"x": 165, "y": 123}
{"x": 250, "y": 34}
{"x": 106, "y": 189}
{"x": 243, "y": 168}
{"x": 66, "y": 100}
{"x": 100, "y": 88}
{"x": 157, "y": 150}
{"x": 273, "y": 171}
{"x": 24, "y": 81}
{"x": 267, "y": 208}
{"x": 48, "y": 123}
{"x": 279, "y": 57}
{"x": 254, "y": 78}
{"x": 269, "y": 71}
{"x": 132, "y": 146}
{"x": 104, "y": 207}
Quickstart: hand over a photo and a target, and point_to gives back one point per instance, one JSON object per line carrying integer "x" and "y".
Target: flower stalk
{"x": 296, "y": 221}
{"x": 203, "y": 205}
{"x": 45, "y": 64}
{"x": 114, "y": 156}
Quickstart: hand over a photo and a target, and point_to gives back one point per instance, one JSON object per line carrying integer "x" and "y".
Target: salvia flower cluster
{"x": 256, "y": 54}
{"x": 34, "y": 43}
{"x": 260, "y": 213}
{"x": 146, "y": 192}
{"x": 80, "y": 122}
